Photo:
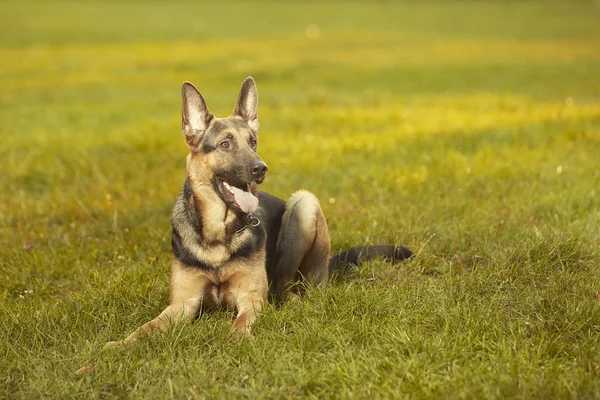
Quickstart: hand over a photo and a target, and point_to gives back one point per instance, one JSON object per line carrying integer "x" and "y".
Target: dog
{"x": 232, "y": 245}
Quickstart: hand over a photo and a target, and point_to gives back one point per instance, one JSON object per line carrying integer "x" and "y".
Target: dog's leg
{"x": 188, "y": 286}
{"x": 245, "y": 291}
{"x": 303, "y": 244}
{"x": 248, "y": 306}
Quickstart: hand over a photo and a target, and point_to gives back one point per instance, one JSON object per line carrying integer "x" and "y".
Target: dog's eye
{"x": 224, "y": 145}
{"x": 253, "y": 142}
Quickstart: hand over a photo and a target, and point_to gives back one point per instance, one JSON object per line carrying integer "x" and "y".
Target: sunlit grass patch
{"x": 147, "y": 63}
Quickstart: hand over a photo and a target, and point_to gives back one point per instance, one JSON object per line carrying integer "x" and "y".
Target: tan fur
{"x": 187, "y": 289}
{"x": 200, "y": 172}
{"x": 216, "y": 276}
{"x": 303, "y": 243}
{"x": 238, "y": 286}
{"x": 216, "y": 218}
{"x": 306, "y": 208}
{"x": 314, "y": 267}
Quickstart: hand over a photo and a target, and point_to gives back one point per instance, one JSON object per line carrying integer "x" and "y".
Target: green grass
{"x": 469, "y": 132}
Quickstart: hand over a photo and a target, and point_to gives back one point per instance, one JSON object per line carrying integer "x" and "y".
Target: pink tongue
{"x": 245, "y": 200}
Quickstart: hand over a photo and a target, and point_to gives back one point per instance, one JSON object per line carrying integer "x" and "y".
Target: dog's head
{"x": 223, "y": 150}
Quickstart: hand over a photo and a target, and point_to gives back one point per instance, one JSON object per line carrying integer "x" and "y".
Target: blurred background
{"x": 405, "y": 118}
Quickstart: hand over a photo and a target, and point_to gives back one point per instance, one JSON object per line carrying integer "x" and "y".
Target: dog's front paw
{"x": 241, "y": 330}
{"x": 240, "y": 334}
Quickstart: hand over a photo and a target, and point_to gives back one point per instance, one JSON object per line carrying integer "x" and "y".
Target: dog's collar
{"x": 251, "y": 220}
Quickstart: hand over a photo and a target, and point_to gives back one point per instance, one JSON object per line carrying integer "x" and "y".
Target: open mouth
{"x": 241, "y": 198}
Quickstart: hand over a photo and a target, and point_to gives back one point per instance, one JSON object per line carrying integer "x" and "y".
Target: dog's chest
{"x": 218, "y": 295}
{"x": 225, "y": 285}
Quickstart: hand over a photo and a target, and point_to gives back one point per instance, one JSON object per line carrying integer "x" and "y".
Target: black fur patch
{"x": 253, "y": 245}
{"x": 183, "y": 254}
{"x": 195, "y": 218}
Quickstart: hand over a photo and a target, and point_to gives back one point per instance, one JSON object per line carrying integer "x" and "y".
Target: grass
{"x": 468, "y": 131}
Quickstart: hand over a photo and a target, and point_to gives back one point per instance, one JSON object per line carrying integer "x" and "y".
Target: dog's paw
{"x": 241, "y": 331}
{"x": 242, "y": 334}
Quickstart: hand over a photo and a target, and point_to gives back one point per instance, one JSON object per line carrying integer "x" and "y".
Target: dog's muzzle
{"x": 259, "y": 172}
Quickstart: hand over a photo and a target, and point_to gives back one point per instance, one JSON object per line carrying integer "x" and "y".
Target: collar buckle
{"x": 251, "y": 220}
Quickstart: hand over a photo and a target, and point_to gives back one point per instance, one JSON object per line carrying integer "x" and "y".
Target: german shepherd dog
{"x": 231, "y": 244}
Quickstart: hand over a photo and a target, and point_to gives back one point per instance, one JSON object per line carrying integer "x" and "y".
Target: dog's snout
{"x": 259, "y": 169}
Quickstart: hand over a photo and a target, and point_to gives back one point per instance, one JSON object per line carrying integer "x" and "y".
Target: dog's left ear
{"x": 195, "y": 117}
{"x": 247, "y": 104}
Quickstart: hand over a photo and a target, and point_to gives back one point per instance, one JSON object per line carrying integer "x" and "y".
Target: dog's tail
{"x": 355, "y": 255}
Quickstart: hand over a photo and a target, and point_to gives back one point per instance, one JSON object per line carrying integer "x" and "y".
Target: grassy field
{"x": 469, "y": 132}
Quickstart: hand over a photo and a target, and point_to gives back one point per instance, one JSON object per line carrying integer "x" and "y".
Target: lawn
{"x": 467, "y": 131}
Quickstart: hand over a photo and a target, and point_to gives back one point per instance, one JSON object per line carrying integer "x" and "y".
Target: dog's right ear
{"x": 195, "y": 116}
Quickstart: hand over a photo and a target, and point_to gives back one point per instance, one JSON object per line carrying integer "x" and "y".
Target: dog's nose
{"x": 259, "y": 169}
